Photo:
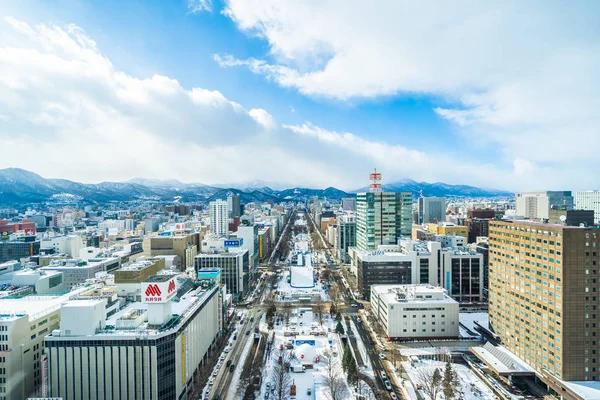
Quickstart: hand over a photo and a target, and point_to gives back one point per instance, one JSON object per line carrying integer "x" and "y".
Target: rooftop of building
{"x": 538, "y": 225}
{"x": 139, "y": 265}
{"x": 35, "y": 306}
{"x": 160, "y": 278}
{"x": 412, "y": 293}
{"x": 231, "y": 252}
{"x": 181, "y": 308}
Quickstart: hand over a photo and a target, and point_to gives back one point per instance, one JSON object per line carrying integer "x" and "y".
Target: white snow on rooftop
{"x": 586, "y": 389}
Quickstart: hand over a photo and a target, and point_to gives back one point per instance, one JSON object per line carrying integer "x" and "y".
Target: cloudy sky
{"x": 305, "y": 93}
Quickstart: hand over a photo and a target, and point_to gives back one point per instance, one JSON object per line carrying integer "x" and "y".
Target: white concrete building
{"x": 415, "y": 311}
{"x": 537, "y": 205}
{"x": 76, "y": 271}
{"x": 148, "y": 350}
{"x": 24, "y": 322}
{"x": 219, "y": 217}
{"x": 70, "y": 245}
{"x": 589, "y": 200}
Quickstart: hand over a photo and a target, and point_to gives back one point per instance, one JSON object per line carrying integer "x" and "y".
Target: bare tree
{"x": 364, "y": 390}
{"x": 280, "y": 376}
{"x": 319, "y": 311}
{"x": 430, "y": 382}
{"x": 334, "y": 378}
{"x": 287, "y": 310}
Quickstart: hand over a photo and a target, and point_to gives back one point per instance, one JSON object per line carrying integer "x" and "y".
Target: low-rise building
{"x": 459, "y": 270}
{"x": 76, "y": 271}
{"x": 448, "y": 229}
{"x": 415, "y": 311}
{"x": 129, "y": 277}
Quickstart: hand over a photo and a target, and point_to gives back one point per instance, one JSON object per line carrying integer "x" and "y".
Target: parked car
{"x": 387, "y": 385}
{"x": 226, "y": 349}
{"x": 393, "y": 396}
{"x": 383, "y": 375}
{"x": 309, "y": 391}
{"x": 382, "y": 356}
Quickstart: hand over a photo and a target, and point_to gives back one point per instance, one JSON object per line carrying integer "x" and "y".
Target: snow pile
{"x": 302, "y": 277}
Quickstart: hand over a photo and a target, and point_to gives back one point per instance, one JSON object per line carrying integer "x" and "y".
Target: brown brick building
{"x": 544, "y": 296}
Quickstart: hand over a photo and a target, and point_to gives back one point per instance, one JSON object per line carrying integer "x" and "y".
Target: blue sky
{"x": 328, "y": 90}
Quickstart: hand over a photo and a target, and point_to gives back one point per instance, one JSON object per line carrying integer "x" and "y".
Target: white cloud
{"x": 68, "y": 112}
{"x": 519, "y": 76}
{"x": 198, "y": 6}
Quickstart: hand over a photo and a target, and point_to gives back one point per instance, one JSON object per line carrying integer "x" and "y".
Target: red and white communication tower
{"x": 375, "y": 178}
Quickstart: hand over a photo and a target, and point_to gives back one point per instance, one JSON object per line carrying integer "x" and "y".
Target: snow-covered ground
{"x": 303, "y": 321}
{"x": 469, "y": 319}
{"x": 472, "y": 387}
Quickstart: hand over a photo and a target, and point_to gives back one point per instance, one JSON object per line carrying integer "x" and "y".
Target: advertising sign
{"x": 234, "y": 242}
{"x": 158, "y": 292}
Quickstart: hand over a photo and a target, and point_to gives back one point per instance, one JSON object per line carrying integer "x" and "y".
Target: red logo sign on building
{"x": 171, "y": 286}
{"x": 153, "y": 290}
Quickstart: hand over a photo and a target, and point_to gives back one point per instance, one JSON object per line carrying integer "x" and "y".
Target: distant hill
{"x": 439, "y": 189}
{"x": 21, "y": 186}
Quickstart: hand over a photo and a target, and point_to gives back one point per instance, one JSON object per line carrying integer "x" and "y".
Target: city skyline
{"x": 195, "y": 91}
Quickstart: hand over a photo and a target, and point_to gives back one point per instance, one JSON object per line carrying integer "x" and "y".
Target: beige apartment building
{"x": 544, "y": 296}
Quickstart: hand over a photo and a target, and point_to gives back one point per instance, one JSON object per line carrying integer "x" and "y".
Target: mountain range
{"x": 19, "y": 186}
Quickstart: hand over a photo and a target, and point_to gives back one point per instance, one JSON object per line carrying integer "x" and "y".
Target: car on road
{"x": 231, "y": 367}
{"x": 268, "y": 385}
{"x": 234, "y": 337}
{"x": 353, "y": 305}
{"x": 382, "y": 356}
{"x": 228, "y": 363}
{"x": 247, "y": 332}
{"x": 387, "y": 385}
{"x": 383, "y": 375}
{"x": 393, "y": 396}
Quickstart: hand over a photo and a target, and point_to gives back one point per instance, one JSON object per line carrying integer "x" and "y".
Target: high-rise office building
{"x": 589, "y": 200}
{"x": 382, "y": 217}
{"x": 349, "y": 204}
{"x": 219, "y": 217}
{"x": 234, "y": 206}
{"x": 431, "y": 209}
{"x": 537, "y": 205}
{"x": 346, "y": 235}
{"x": 544, "y": 289}
{"x": 236, "y": 273}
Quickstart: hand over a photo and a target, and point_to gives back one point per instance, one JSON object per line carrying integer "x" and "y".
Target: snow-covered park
{"x": 469, "y": 386}
{"x": 312, "y": 357}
